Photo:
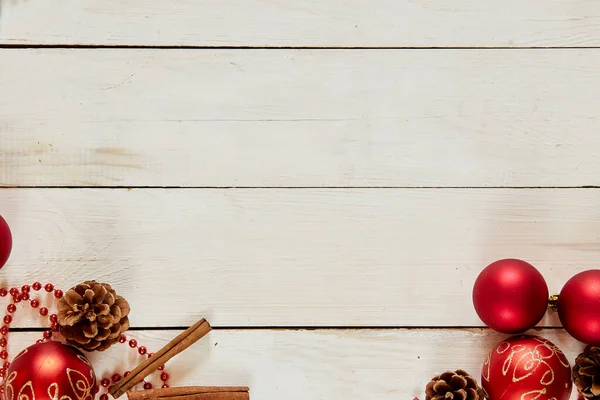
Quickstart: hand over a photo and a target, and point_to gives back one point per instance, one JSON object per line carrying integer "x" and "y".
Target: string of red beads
{"x": 24, "y": 295}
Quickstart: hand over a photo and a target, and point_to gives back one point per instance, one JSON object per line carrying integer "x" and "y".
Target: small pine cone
{"x": 586, "y": 373}
{"x": 91, "y": 316}
{"x": 457, "y": 385}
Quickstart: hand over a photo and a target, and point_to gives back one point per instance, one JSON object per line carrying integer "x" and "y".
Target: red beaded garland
{"x": 24, "y": 295}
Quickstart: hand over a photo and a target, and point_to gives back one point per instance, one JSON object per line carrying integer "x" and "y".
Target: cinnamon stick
{"x": 174, "y": 347}
{"x": 192, "y": 393}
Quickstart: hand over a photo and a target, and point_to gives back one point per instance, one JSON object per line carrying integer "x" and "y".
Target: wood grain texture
{"x": 299, "y": 118}
{"x": 431, "y": 23}
{"x": 375, "y": 257}
{"x": 318, "y": 364}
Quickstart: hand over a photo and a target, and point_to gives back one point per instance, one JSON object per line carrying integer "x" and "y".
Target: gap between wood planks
{"x": 309, "y": 328}
{"x": 300, "y": 187}
{"x": 188, "y": 47}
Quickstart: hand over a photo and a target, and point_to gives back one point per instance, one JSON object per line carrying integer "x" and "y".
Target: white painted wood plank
{"x": 321, "y": 364}
{"x": 299, "y": 118}
{"x": 377, "y": 257}
{"x": 432, "y": 23}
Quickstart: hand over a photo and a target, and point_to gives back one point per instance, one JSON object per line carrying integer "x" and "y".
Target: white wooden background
{"x": 323, "y": 180}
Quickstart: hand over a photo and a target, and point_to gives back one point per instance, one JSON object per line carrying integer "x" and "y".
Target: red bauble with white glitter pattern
{"x": 49, "y": 371}
{"x": 526, "y": 368}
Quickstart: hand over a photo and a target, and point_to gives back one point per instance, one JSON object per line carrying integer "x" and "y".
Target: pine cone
{"x": 586, "y": 372}
{"x": 91, "y": 316}
{"x": 457, "y": 385}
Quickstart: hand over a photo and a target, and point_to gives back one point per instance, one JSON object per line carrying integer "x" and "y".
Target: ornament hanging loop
{"x": 553, "y": 303}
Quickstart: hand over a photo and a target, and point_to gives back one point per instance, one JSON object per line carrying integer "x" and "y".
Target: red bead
{"x": 142, "y": 350}
{"x": 17, "y": 298}
{"x": 47, "y": 334}
{"x": 578, "y": 307}
{"x": 161, "y": 367}
{"x": 58, "y": 293}
{"x": 6, "y": 364}
{"x": 36, "y": 286}
{"x": 510, "y": 296}
{"x": 133, "y": 343}
{"x": 53, "y": 318}
{"x": 116, "y": 378}
{"x": 126, "y": 373}
{"x": 3, "y": 342}
{"x": 3, "y": 292}
{"x": 103, "y": 396}
{"x": 13, "y": 291}
{"x": 34, "y": 303}
{"x": 11, "y": 308}
{"x": 165, "y": 386}
{"x": 3, "y": 354}
{"x": 43, "y": 311}
{"x": 150, "y": 355}
{"x": 49, "y": 287}
{"x": 526, "y": 367}
{"x": 4, "y": 330}
{"x": 7, "y": 319}
{"x": 122, "y": 339}
{"x": 2, "y": 372}
{"x": 25, "y": 296}
{"x": 25, "y": 288}
{"x": 105, "y": 382}
{"x": 164, "y": 377}
{"x": 147, "y": 385}
{"x": 54, "y": 326}
{"x": 39, "y": 341}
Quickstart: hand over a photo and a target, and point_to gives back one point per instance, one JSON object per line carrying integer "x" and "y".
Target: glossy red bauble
{"x": 578, "y": 307}
{"x": 5, "y": 242}
{"x": 526, "y": 368}
{"x": 510, "y": 296}
{"x": 50, "y": 371}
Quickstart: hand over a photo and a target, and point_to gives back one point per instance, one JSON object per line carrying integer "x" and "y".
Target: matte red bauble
{"x": 526, "y": 368}
{"x": 510, "y": 296}
{"x": 50, "y": 371}
{"x": 5, "y": 242}
{"x": 578, "y": 307}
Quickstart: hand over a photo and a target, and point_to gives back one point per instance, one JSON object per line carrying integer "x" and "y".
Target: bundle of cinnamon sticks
{"x": 174, "y": 347}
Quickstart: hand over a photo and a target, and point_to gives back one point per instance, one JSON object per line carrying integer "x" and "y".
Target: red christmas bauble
{"x": 50, "y": 371}
{"x": 579, "y": 307}
{"x": 526, "y": 368}
{"x": 5, "y": 242}
{"x": 510, "y": 296}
